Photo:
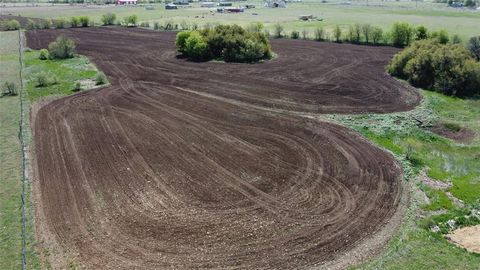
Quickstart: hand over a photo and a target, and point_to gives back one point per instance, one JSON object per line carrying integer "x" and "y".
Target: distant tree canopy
{"x": 446, "y": 68}
{"x": 230, "y": 43}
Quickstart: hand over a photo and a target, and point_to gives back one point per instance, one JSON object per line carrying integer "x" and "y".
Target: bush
{"x": 9, "y": 89}
{"x": 100, "y": 79}
{"x": 31, "y": 25}
{"x": 131, "y": 21}
{"x": 60, "y": 23}
{"x": 337, "y": 33}
{"x": 77, "y": 87}
{"x": 61, "y": 48}
{"x": 84, "y": 21}
{"x": 74, "y": 22}
{"x": 47, "y": 24}
{"x": 441, "y": 36}
{"x": 367, "y": 32}
{"x": 304, "y": 34}
{"x": 474, "y": 47}
{"x": 401, "y": 34}
{"x": 278, "y": 30}
{"x": 156, "y": 26}
{"x": 421, "y": 33}
{"x": 446, "y": 68}
{"x": 196, "y": 47}
{"x": 43, "y": 54}
{"x": 456, "y": 39}
{"x": 108, "y": 19}
{"x": 41, "y": 80}
{"x": 377, "y": 35}
{"x": 319, "y": 34}
{"x": 12, "y": 25}
{"x": 230, "y": 43}
{"x": 295, "y": 34}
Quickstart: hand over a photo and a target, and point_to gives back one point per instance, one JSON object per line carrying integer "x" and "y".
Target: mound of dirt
{"x": 186, "y": 165}
{"x": 463, "y": 135}
{"x": 468, "y": 238}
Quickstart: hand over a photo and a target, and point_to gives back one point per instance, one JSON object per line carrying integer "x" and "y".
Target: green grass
{"x": 383, "y": 14}
{"x": 414, "y": 246}
{"x": 10, "y": 160}
{"x": 67, "y": 73}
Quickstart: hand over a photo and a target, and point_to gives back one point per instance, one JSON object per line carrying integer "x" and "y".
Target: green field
{"x": 10, "y": 160}
{"x": 417, "y": 149}
{"x": 435, "y": 16}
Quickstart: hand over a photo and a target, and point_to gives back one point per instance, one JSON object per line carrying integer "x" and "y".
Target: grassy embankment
{"x": 426, "y": 155}
{"x": 383, "y": 14}
{"x": 11, "y": 165}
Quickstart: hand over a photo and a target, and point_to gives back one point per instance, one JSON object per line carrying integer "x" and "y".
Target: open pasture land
{"x": 463, "y": 22}
{"x": 184, "y": 165}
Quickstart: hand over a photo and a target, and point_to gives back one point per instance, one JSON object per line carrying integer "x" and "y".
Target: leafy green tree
{"x": 60, "y": 23}
{"x": 74, "y": 22}
{"x": 181, "y": 40}
{"x": 401, "y": 34}
{"x": 84, "y": 21}
{"x": 441, "y": 36}
{"x": 295, "y": 34}
{"x": 474, "y": 47}
{"x": 337, "y": 33}
{"x": 421, "y": 32}
{"x": 367, "y": 32}
{"x": 43, "y": 54}
{"x": 377, "y": 35}
{"x": 131, "y": 21}
{"x": 61, "y": 48}
{"x": 108, "y": 18}
{"x": 277, "y": 30}
{"x": 196, "y": 46}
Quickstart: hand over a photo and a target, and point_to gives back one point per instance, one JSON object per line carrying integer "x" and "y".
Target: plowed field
{"x": 198, "y": 165}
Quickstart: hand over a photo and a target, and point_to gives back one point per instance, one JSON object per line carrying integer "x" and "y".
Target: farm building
{"x": 171, "y": 6}
{"x": 126, "y": 2}
{"x": 275, "y": 4}
{"x": 249, "y": 6}
{"x": 181, "y": 2}
{"x": 208, "y": 4}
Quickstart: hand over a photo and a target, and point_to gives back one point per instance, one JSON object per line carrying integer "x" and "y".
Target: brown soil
{"x": 464, "y": 135}
{"x": 152, "y": 172}
{"x": 468, "y": 238}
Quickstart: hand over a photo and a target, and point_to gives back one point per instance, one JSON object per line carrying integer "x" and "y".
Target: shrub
{"x": 108, "y": 18}
{"x": 441, "y": 36}
{"x": 230, "y": 43}
{"x": 61, "y": 48}
{"x": 377, "y": 35}
{"x": 319, "y": 34}
{"x": 196, "y": 47}
{"x": 74, "y": 22}
{"x": 446, "y": 68}
{"x": 184, "y": 25}
{"x": 401, "y": 34}
{"x": 84, "y": 21}
{"x": 43, "y": 54}
{"x": 12, "y": 25}
{"x": 31, "y": 25}
{"x": 474, "y": 47}
{"x": 77, "y": 87}
{"x": 131, "y": 21}
{"x": 100, "y": 79}
{"x": 9, "y": 89}
{"x": 295, "y": 34}
{"x": 277, "y": 30}
{"x": 366, "y": 31}
{"x": 156, "y": 26}
{"x": 456, "y": 39}
{"x": 41, "y": 80}
{"x": 256, "y": 27}
{"x": 47, "y": 24}
{"x": 60, "y": 23}
{"x": 421, "y": 32}
{"x": 304, "y": 34}
{"x": 337, "y": 33}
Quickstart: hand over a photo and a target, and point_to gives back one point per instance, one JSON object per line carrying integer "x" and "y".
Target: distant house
{"x": 249, "y": 6}
{"x": 275, "y": 3}
{"x": 171, "y": 6}
{"x": 235, "y": 10}
{"x": 181, "y": 2}
{"x": 126, "y": 2}
{"x": 208, "y": 4}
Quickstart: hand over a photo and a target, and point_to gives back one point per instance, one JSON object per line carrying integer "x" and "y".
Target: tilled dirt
{"x": 188, "y": 165}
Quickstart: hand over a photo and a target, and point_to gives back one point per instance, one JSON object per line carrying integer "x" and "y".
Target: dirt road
{"x": 176, "y": 164}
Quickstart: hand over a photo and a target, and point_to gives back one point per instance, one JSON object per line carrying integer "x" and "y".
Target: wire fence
{"x": 23, "y": 144}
